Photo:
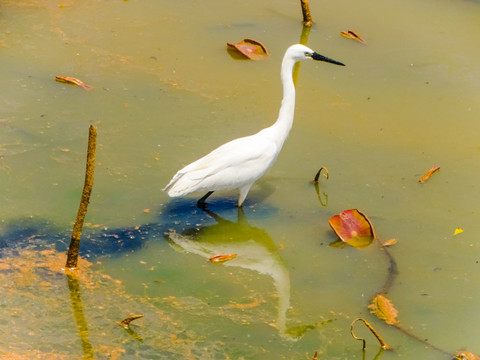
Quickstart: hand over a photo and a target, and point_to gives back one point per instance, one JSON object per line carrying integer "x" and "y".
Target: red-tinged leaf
{"x": 353, "y": 227}
{"x": 219, "y": 259}
{"x": 252, "y": 49}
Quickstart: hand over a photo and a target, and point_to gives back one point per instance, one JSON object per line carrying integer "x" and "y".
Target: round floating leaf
{"x": 252, "y": 49}
{"x": 353, "y": 228}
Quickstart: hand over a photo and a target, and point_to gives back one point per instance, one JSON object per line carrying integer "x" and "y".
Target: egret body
{"x": 240, "y": 162}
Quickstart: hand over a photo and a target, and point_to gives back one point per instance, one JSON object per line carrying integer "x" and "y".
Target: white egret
{"x": 240, "y": 162}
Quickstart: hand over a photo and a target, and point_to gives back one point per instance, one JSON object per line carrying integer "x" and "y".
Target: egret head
{"x": 301, "y": 52}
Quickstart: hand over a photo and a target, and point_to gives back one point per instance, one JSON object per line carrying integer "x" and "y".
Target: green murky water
{"x": 165, "y": 93}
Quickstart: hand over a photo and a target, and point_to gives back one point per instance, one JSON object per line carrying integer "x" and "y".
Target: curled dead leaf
{"x": 353, "y": 227}
{"x": 389, "y": 242}
{"x": 428, "y": 174}
{"x": 219, "y": 259}
{"x": 354, "y": 36}
{"x": 126, "y": 322}
{"x": 72, "y": 81}
{"x": 384, "y": 309}
{"x": 250, "y": 48}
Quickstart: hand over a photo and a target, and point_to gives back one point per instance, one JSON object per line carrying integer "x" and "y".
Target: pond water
{"x": 165, "y": 92}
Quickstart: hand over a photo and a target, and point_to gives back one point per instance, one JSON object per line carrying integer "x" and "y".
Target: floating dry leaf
{"x": 219, "y": 259}
{"x": 353, "y": 227}
{"x": 389, "y": 242}
{"x": 126, "y": 322}
{"x": 72, "y": 81}
{"x": 465, "y": 355}
{"x": 428, "y": 174}
{"x": 354, "y": 36}
{"x": 458, "y": 231}
{"x": 384, "y": 309}
{"x": 253, "y": 304}
{"x": 250, "y": 48}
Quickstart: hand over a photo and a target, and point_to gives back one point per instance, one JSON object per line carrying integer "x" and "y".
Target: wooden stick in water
{"x": 73, "y": 250}
{"x": 307, "y": 16}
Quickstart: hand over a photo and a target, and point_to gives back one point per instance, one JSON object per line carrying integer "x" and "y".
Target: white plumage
{"x": 240, "y": 162}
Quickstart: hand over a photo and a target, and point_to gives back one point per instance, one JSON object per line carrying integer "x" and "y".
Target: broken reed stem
{"x": 307, "y": 16}
{"x": 383, "y": 344}
{"x": 317, "y": 175}
{"x": 73, "y": 250}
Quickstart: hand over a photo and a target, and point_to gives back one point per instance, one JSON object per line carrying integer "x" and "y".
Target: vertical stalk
{"x": 307, "y": 16}
{"x": 73, "y": 250}
{"x": 303, "y": 41}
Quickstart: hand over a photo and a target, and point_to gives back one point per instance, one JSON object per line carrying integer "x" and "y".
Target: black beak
{"x": 317, "y": 56}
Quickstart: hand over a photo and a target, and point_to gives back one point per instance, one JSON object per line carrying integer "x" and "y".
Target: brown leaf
{"x": 465, "y": 355}
{"x": 428, "y": 174}
{"x": 354, "y": 36}
{"x": 353, "y": 227}
{"x": 126, "y": 322}
{"x": 389, "y": 242}
{"x": 219, "y": 259}
{"x": 72, "y": 81}
{"x": 383, "y": 308}
{"x": 250, "y": 48}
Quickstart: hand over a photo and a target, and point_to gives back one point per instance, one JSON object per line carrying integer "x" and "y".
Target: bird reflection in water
{"x": 253, "y": 247}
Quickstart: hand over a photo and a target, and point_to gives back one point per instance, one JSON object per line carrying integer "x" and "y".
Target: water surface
{"x": 165, "y": 92}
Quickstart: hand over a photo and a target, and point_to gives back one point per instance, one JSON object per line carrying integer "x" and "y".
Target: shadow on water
{"x": 177, "y": 214}
{"x": 187, "y": 229}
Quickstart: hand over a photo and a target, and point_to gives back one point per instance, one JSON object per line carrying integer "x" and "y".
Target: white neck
{"x": 284, "y": 123}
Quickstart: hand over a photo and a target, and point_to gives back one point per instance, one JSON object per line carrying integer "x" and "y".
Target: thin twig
{"x": 73, "y": 250}
{"x": 383, "y": 344}
{"x": 317, "y": 176}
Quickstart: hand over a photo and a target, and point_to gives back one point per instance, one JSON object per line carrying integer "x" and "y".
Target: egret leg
{"x": 201, "y": 203}
{"x": 243, "y": 194}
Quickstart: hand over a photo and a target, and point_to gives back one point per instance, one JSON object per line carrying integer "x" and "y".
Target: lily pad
{"x": 353, "y": 227}
{"x": 249, "y": 48}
